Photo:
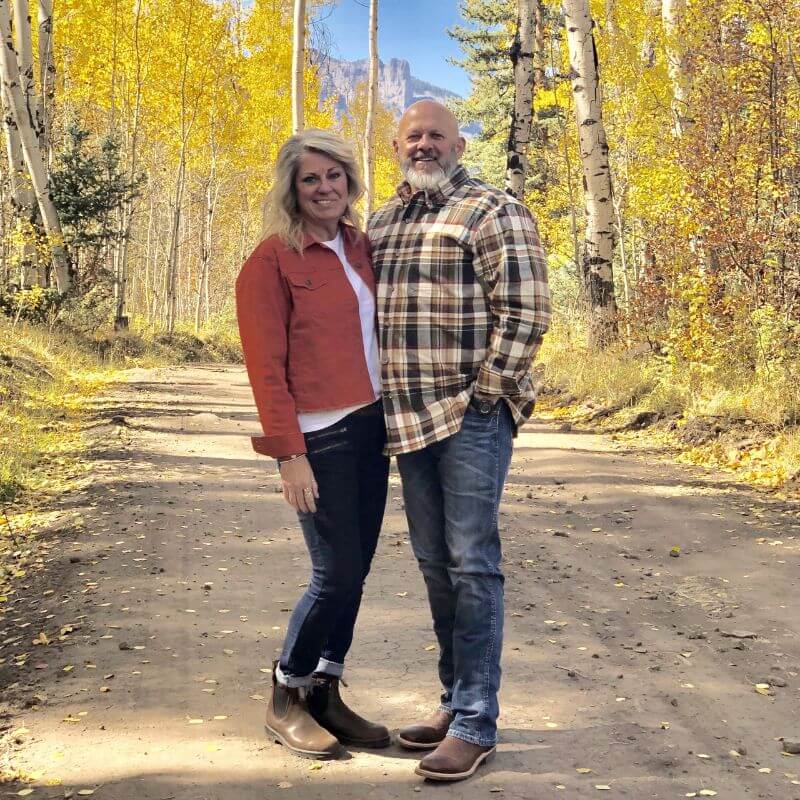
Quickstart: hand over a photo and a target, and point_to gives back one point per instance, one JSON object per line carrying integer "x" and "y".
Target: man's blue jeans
{"x": 452, "y": 490}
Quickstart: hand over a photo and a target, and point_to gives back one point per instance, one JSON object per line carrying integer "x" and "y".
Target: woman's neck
{"x": 322, "y": 231}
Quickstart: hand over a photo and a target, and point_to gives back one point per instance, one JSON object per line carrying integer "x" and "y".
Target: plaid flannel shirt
{"x": 463, "y": 303}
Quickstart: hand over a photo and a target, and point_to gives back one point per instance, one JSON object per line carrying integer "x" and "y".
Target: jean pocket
{"x": 327, "y": 440}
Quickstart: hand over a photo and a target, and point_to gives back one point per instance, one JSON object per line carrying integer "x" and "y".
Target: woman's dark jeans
{"x": 352, "y": 475}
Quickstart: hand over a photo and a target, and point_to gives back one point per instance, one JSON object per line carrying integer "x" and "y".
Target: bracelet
{"x": 285, "y": 459}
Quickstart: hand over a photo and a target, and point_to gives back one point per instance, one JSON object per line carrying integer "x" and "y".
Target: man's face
{"x": 428, "y": 146}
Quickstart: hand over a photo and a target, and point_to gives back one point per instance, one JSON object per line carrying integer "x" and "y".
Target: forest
{"x": 656, "y": 141}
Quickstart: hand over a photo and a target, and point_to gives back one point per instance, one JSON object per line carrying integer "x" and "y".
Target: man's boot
{"x": 328, "y": 709}
{"x": 426, "y": 735}
{"x": 290, "y": 723}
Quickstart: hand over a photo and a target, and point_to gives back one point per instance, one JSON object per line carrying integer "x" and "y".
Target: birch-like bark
{"x": 23, "y": 202}
{"x": 9, "y": 71}
{"x": 298, "y": 66}
{"x": 598, "y": 252}
{"x": 519, "y": 136}
{"x": 672, "y": 12}
{"x": 47, "y": 76}
{"x": 47, "y": 81}
{"x": 372, "y": 102}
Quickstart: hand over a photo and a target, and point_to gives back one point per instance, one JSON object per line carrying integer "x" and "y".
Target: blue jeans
{"x": 352, "y": 475}
{"x": 452, "y": 490}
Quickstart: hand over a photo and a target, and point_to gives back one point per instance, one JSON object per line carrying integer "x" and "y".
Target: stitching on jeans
{"x": 495, "y": 505}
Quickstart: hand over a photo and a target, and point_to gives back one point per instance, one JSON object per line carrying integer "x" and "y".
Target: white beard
{"x": 425, "y": 180}
{"x": 429, "y": 180}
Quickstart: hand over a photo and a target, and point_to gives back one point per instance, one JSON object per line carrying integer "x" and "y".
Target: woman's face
{"x": 321, "y": 186}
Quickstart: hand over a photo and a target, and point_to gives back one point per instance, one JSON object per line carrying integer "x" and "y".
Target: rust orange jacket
{"x": 301, "y": 335}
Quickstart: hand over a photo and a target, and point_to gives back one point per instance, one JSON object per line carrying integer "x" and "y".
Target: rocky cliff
{"x": 397, "y": 87}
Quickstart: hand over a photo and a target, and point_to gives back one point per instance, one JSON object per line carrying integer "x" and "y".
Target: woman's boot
{"x": 327, "y": 707}
{"x": 290, "y": 723}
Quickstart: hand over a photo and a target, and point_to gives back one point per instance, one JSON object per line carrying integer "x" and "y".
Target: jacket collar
{"x": 434, "y": 198}
{"x": 349, "y": 233}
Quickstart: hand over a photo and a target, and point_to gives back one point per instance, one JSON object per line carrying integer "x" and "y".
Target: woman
{"x": 306, "y": 309}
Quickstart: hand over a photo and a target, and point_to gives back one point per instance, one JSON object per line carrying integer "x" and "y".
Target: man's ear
{"x": 396, "y": 146}
{"x": 460, "y": 146}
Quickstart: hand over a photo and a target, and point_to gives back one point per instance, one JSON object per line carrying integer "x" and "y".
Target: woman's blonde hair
{"x": 281, "y": 212}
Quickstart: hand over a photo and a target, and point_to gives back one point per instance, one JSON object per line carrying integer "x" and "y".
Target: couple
{"x": 439, "y": 377}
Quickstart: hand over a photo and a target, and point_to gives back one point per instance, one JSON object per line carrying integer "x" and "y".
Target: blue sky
{"x": 411, "y": 29}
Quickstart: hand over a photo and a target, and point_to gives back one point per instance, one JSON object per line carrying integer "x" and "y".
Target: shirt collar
{"x": 348, "y": 235}
{"x": 434, "y": 198}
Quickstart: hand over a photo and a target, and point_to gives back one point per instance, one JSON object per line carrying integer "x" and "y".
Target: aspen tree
{"x": 597, "y": 269}
{"x": 47, "y": 75}
{"x": 522, "y": 116}
{"x": 298, "y": 66}
{"x": 18, "y": 106}
{"x": 372, "y": 100}
{"x": 672, "y": 12}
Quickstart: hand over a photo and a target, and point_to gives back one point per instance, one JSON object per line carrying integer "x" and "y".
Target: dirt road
{"x": 627, "y": 672}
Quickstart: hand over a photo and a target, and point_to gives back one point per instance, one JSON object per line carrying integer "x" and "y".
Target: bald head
{"x": 429, "y": 111}
{"x": 428, "y": 145}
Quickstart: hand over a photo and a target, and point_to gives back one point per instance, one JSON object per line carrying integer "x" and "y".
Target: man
{"x": 463, "y": 304}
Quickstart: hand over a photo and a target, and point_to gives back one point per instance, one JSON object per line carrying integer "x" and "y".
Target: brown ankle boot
{"x": 428, "y": 734}
{"x": 453, "y": 760}
{"x": 328, "y": 709}
{"x": 290, "y": 723}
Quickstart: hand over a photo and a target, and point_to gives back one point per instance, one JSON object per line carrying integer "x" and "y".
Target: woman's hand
{"x": 299, "y": 487}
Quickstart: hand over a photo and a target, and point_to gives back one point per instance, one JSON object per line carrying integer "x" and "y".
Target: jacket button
{"x": 308, "y": 281}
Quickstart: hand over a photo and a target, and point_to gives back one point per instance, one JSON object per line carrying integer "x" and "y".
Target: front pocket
{"x": 307, "y": 280}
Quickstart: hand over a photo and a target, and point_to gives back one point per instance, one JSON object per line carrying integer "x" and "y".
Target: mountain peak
{"x": 397, "y": 87}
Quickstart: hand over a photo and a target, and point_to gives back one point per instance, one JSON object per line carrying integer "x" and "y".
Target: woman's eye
{"x": 309, "y": 179}
{"x": 334, "y": 176}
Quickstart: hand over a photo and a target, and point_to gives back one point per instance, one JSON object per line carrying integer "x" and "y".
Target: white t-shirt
{"x": 317, "y": 420}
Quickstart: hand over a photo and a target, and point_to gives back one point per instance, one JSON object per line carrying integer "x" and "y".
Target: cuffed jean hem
{"x": 292, "y": 681}
{"x": 446, "y": 709}
{"x": 331, "y": 668}
{"x": 481, "y": 741}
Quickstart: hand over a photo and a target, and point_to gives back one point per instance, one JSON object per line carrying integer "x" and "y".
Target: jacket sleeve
{"x": 511, "y": 264}
{"x": 263, "y": 306}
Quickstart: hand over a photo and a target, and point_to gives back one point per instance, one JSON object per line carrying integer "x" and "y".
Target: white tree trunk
{"x": 672, "y": 12}
{"x": 372, "y": 102}
{"x": 522, "y": 118}
{"x": 298, "y": 66}
{"x": 23, "y": 203}
{"x": 597, "y": 265}
{"x": 9, "y": 72}
{"x": 47, "y": 76}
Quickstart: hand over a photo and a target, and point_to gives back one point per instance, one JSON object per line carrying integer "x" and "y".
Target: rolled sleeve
{"x": 511, "y": 264}
{"x": 263, "y": 307}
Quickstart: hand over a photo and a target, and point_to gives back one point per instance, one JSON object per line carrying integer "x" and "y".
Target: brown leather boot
{"x": 453, "y": 760}
{"x": 290, "y": 723}
{"x": 428, "y": 734}
{"x": 327, "y": 707}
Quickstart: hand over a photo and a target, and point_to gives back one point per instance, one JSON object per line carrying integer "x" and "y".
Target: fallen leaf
{"x": 284, "y": 785}
{"x": 602, "y": 787}
{"x": 24, "y": 792}
{"x": 707, "y": 793}
{"x": 195, "y": 722}
{"x": 85, "y": 792}
{"x": 430, "y": 647}
{"x": 583, "y": 770}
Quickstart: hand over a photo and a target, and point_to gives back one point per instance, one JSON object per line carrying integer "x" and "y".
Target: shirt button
{"x": 384, "y": 359}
